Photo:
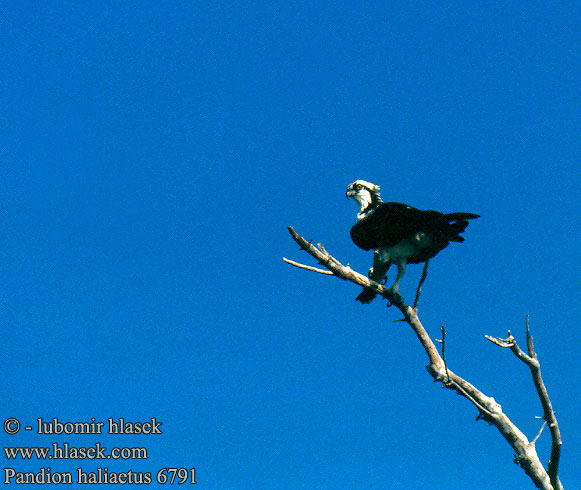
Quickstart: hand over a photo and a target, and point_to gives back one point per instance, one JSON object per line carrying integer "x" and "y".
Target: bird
{"x": 399, "y": 234}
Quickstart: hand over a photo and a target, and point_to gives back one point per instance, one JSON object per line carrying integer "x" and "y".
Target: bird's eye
{"x": 357, "y": 187}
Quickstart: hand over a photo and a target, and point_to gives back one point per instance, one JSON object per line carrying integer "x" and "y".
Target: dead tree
{"x": 488, "y": 409}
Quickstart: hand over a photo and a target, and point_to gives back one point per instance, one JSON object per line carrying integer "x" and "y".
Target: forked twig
{"x": 549, "y": 416}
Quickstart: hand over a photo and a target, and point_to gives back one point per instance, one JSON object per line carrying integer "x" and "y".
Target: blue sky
{"x": 152, "y": 157}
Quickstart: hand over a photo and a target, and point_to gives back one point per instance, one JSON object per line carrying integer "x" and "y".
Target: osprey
{"x": 398, "y": 233}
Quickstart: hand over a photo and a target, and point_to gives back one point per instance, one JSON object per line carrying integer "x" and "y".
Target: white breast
{"x": 405, "y": 248}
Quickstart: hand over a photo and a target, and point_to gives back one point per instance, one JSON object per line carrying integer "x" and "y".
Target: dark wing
{"x": 390, "y": 223}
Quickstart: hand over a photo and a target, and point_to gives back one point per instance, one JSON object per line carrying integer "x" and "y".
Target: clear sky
{"x": 153, "y": 154}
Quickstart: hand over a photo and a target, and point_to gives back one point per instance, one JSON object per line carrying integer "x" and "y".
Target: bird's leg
{"x": 377, "y": 273}
{"x": 400, "y": 263}
{"x": 422, "y": 279}
{"x": 380, "y": 267}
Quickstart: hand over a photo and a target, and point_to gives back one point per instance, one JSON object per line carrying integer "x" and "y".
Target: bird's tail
{"x": 457, "y": 223}
{"x": 457, "y": 216}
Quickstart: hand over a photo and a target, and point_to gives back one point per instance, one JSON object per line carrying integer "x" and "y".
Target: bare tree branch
{"x": 540, "y": 432}
{"x": 307, "y": 267}
{"x": 488, "y": 408}
{"x": 548, "y": 413}
{"x": 443, "y": 342}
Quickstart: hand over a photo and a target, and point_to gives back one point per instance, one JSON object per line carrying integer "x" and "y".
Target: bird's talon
{"x": 395, "y": 293}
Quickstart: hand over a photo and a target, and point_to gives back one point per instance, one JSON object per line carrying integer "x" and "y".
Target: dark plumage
{"x": 399, "y": 234}
{"x": 391, "y": 222}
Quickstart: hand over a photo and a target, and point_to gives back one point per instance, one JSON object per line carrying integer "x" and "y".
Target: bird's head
{"x": 366, "y": 194}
